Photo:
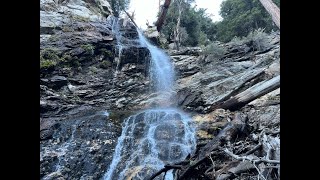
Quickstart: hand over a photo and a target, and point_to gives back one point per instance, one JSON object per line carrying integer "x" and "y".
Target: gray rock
{"x": 84, "y": 145}
{"x": 119, "y": 102}
{"x": 212, "y": 81}
{"x": 79, "y": 143}
{"x": 57, "y": 82}
{"x": 153, "y": 35}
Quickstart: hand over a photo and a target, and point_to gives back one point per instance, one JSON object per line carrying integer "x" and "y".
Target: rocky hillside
{"x": 206, "y": 85}
{"x": 87, "y": 89}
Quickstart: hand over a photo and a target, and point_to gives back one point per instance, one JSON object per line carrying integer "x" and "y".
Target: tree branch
{"x": 131, "y": 18}
{"x": 165, "y": 169}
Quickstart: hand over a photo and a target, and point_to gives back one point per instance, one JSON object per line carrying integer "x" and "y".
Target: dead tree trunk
{"x": 273, "y": 10}
{"x": 177, "y": 30}
{"x": 252, "y": 93}
{"x": 162, "y": 16}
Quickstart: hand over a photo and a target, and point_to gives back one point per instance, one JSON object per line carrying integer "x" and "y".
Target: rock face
{"x": 79, "y": 20}
{"x": 80, "y": 78}
{"x": 203, "y": 81}
{"x": 80, "y": 59}
{"x": 83, "y": 74}
{"x": 78, "y": 148}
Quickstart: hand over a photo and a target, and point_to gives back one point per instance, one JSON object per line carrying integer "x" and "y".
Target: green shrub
{"x": 45, "y": 64}
{"x": 107, "y": 53}
{"x": 66, "y": 58}
{"x": 258, "y": 38}
{"x": 49, "y": 54}
{"x": 105, "y": 64}
{"x": 237, "y": 41}
{"x": 53, "y": 38}
{"x": 214, "y": 50}
{"x": 93, "y": 69}
{"x": 48, "y": 58}
{"x": 88, "y": 48}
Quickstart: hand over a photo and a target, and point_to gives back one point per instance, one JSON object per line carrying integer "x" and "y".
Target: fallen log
{"x": 256, "y": 91}
{"x": 253, "y": 77}
{"x": 229, "y": 132}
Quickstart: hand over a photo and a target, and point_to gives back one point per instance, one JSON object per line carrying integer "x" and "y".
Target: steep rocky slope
{"x": 86, "y": 91}
{"x": 251, "y": 131}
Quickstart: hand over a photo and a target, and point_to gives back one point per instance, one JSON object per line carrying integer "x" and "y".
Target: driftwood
{"x": 256, "y": 91}
{"x": 163, "y": 14}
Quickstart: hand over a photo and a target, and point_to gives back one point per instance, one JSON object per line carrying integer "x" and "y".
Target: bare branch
{"x": 251, "y": 159}
{"x": 253, "y": 150}
{"x": 165, "y": 169}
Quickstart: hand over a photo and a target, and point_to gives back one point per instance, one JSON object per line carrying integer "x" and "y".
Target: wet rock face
{"x": 139, "y": 56}
{"x": 86, "y": 69}
{"x": 150, "y": 140}
{"x": 78, "y": 59}
{"x": 79, "y": 148}
{"x": 77, "y": 38}
{"x": 164, "y": 132}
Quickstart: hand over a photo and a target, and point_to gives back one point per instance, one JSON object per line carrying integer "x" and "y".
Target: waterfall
{"x": 119, "y": 47}
{"x": 154, "y": 137}
{"x": 161, "y": 69}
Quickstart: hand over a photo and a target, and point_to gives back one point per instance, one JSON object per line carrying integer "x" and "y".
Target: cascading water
{"x": 149, "y": 140}
{"x": 155, "y": 137}
{"x": 161, "y": 70}
{"x": 119, "y": 47}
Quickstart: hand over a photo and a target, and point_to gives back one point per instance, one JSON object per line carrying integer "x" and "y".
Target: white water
{"x": 149, "y": 140}
{"x": 119, "y": 47}
{"x": 155, "y": 137}
{"x": 161, "y": 69}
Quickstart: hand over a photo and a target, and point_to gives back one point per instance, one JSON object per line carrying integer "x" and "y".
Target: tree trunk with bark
{"x": 177, "y": 30}
{"x": 273, "y": 10}
{"x": 163, "y": 14}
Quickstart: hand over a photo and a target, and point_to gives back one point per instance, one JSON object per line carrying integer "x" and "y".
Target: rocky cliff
{"x": 87, "y": 88}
